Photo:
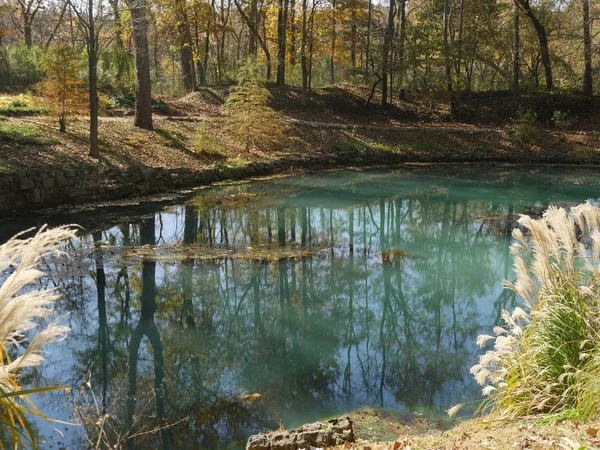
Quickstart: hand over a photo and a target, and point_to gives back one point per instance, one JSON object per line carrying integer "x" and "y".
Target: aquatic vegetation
{"x": 200, "y": 252}
{"x": 22, "y": 339}
{"x": 546, "y": 359}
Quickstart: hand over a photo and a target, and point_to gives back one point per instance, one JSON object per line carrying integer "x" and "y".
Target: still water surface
{"x": 321, "y": 292}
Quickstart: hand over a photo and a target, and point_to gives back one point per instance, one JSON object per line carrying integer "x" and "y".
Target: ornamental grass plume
{"x": 23, "y": 306}
{"x": 546, "y": 358}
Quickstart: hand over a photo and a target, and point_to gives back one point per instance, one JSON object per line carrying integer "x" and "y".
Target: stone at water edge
{"x": 318, "y": 434}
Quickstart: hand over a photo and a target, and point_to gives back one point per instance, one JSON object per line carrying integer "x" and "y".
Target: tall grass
{"x": 546, "y": 359}
{"x": 24, "y": 331}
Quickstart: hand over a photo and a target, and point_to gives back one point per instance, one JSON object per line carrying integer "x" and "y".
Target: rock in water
{"x": 319, "y": 434}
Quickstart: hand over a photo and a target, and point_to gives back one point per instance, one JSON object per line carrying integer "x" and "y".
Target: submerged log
{"x": 318, "y": 434}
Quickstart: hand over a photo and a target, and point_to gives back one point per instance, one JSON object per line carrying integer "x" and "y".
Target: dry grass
{"x": 491, "y": 434}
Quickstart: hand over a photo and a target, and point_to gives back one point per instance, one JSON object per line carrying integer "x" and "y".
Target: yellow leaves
{"x": 251, "y": 397}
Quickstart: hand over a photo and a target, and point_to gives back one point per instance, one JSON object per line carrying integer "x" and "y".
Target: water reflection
{"x": 319, "y": 294}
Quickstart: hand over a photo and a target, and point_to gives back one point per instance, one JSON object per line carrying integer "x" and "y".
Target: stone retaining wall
{"x": 39, "y": 189}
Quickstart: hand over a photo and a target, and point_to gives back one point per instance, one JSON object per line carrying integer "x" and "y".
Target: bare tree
{"x": 542, "y": 34}
{"x": 90, "y": 27}
{"x": 27, "y": 9}
{"x": 281, "y": 44}
{"x": 385, "y": 62}
{"x": 516, "y": 50}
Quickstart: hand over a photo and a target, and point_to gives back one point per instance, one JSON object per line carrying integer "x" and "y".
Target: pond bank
{"x": 380, "y": 429}
{"x": 481, "y": 433}
{"x": 51, "y": 170}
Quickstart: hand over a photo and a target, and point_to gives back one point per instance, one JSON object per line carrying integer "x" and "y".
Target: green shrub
{"x": 116, "y": 70}
{"x": 160, "y": 106}
{"x": 21, "y": 105}
{"x": 546, "y": 359}
{"x": 122, "y": 101}
{"x": 561, "y": 120}
{"x": 524, "y": 125}
{"x": 20, "y": 66}
{"x": 17, "y": 103}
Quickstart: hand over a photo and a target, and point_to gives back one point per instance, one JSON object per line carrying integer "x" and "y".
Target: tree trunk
{"x": 387, "y": 42}
{"x": 143, "y": 87}
{"x": 252, "y": 25}
{"x": 207, "y": 42}
{"x": 117, "y": 19}
{"x": 402, "y": 49}
{"x": 59, "y": 21}
{"x": 368, "y": 45}
{"x": 186, "y": 51}
{"x": 311, "y": 46}
{"x": 353, "y": 33}
{"x": 588, "y": 87}
{"x": 93, "y": 81}
{"x": 187, "y": 67}
{"x": 543, "y": 40}
{"x": 28, "y": 11}
{"x": 303, "y": 58}
{"x": 281, "y": 44}
{"x": 200, "y": 72}
{"x": 458, "y": 64}
{"x": 447, "y": 62}
{"x": 27, "y": 32}
{"x": 516, "y": 50}
{"x": 333, "y": 42}
{"x": 254, "y": 29}
{"x": 293, "y": 32}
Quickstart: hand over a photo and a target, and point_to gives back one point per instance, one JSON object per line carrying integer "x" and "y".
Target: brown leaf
{"x": 592, "y": 431}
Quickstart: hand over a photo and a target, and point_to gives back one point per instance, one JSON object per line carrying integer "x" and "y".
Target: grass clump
{"x": 23, "y": 134}
{"x": 206, "y": 141}
{"x": 546, "y": 358}
{"x": 172, "y": 139}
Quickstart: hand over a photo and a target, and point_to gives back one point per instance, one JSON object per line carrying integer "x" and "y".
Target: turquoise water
{"x": 321, "y": 293}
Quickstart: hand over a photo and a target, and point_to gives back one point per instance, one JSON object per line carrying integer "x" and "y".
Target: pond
{"x": 285, "y": 301}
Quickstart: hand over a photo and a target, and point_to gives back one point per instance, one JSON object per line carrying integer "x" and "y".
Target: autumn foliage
{"x": 249, "y": 117}
{"x": 63, "y": 89}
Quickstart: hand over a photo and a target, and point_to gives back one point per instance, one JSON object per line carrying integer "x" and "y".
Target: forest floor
{"x": 385, "y": 430}
{"x": 336, "y": 130}
{"x": 337, "y": 122}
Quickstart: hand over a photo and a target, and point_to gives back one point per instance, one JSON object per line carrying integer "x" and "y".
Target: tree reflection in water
{"x": 401, "y": 275}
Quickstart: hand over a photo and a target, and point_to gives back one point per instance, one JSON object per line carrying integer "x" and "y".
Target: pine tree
{"x": 63, "y": 88}
{"x": 249, "y": 116}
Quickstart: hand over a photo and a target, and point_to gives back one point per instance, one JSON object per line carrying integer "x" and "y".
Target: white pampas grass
{"x": 23, "y": 306}
{"x": 546, "y": 356}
